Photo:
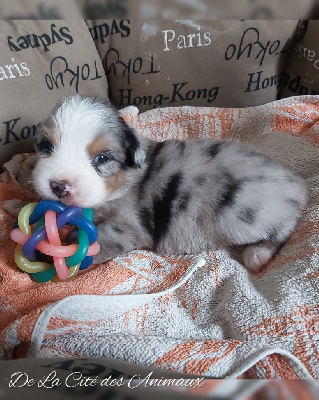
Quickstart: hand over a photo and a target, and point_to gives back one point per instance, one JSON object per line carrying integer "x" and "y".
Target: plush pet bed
{"x": 204, "y": 314}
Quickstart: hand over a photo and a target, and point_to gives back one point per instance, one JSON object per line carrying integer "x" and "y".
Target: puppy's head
{"x": 85, "y": 154}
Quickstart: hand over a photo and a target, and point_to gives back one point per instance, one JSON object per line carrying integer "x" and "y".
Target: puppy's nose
{"x": 60, "y": 188}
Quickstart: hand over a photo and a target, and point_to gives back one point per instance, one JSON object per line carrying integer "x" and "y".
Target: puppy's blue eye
{"x": 45, "y": 147}
{"x": 102, "y": 159}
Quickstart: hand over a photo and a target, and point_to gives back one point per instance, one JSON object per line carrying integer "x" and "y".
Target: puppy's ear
{"x": 134, "y": 154}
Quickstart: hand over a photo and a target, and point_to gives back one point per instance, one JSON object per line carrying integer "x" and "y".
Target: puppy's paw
{"x": 255, "y": 256}
{"x": 13, "y": 207}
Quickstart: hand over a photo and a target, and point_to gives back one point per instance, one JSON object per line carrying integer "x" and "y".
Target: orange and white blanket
{"x": 204, "y": 314}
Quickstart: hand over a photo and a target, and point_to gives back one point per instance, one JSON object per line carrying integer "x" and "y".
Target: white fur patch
{"x": 77, "y": 122}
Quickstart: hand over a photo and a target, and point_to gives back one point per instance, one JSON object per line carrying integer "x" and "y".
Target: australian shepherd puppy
{"x": 175, "y": 197}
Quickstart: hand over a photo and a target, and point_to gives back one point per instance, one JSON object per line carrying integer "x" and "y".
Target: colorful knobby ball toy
{"x": 38, "y": 232}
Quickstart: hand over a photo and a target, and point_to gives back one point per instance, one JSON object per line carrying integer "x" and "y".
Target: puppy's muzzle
{"x": 60, "y": 188}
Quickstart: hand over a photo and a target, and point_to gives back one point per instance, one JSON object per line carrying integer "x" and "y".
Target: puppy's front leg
{"x": 114, "y": 241}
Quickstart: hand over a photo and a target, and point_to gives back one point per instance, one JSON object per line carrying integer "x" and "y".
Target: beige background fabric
{"x": 220, "y": 9}
{"x": 39, "y": 9}
{"x": 42, "y": 62}
{"x": 201, "y": 63}
{"x": 302, "y": 72}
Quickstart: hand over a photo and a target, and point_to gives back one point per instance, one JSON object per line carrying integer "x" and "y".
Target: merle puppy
{"x": 176, "y": 197}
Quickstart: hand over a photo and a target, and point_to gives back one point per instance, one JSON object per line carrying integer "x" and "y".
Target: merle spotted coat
{"x": 176, "y": 197}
